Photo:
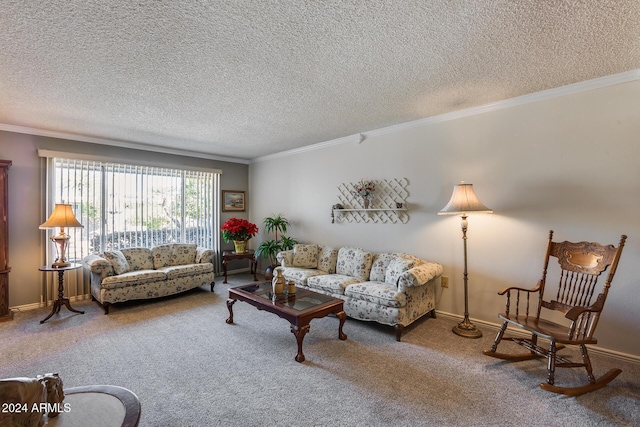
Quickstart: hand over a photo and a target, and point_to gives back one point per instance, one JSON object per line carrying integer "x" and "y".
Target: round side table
{"x": 98, "y": 406}
{"x": 57, "y": 304}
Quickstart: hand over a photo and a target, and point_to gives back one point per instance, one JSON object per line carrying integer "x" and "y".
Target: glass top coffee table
{"x": 298, "y": 309}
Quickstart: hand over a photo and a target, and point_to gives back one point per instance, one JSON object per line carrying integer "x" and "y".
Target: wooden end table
{"x": 231, "y": 255}
{"x": 298, "y": 309}
{"x": 57, "y": 304}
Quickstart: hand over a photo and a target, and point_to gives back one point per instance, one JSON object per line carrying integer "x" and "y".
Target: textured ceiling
{"x": 245, "y": 78}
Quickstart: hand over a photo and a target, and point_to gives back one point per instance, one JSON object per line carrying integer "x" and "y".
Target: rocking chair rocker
{"x": 580, "y": 266}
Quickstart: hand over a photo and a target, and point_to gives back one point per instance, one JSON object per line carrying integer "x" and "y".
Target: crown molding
{"x": 338, "y": 141}
{"x": 115, "y": 143}
{"x": 358, "y": 138}
{"x": 573, "y": 88}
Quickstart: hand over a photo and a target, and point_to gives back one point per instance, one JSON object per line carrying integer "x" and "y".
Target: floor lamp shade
{"x": 63, "y": 217}
{"x": 463, "y": 201}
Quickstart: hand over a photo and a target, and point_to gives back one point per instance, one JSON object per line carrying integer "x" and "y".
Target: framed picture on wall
{"x": 233, "y": 201}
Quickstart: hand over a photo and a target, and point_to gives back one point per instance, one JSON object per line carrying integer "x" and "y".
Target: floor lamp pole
{"x": 466, "y": 328}
{"x": 464, "y": 200}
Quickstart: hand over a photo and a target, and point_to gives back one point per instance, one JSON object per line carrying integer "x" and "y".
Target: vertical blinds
{"x": 122, "y": 205}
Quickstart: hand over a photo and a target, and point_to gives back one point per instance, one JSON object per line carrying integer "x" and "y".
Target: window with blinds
{"x": 122, "y": 205}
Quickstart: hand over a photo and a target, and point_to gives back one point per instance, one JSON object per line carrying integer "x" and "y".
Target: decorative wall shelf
{"x": 382, "y": 209}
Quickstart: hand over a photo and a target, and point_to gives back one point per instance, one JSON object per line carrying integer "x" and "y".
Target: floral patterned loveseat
{"x": 143, "y": 273}
{"x": 389, "y": 288}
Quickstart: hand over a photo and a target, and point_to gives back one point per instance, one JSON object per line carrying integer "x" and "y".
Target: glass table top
{"x": 301, "y": 300}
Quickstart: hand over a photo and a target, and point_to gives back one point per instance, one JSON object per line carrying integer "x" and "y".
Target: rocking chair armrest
{"x": 516, "y": 288}
{"x": 574, "y": 313}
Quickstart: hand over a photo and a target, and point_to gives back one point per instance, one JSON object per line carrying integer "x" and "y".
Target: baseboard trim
{"x": 236, "y": 271}
{"x": 495, "y": 326}
{"x": 41, "y": 304}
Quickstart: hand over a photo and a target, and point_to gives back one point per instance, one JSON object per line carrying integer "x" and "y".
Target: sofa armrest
{"x": 419, "y": 275}
{"x": 98, "y": 265}
{"x": 285, "y": 258}
{"x": 204, "y": 255}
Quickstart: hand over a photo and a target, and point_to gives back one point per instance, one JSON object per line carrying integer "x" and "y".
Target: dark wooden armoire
{"x": 5, "y": 313}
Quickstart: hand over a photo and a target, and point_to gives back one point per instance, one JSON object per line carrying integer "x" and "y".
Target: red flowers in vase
{"x": 238, "y": 229}
{"x": 364, "y": 188}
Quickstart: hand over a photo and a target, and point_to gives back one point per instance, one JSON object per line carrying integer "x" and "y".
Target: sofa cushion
{"x": 354, "y": 262}
{"x": 300, "y": 275}
{"x": 327, "y": 259}
{"x": 377, "y": 293}
{"x": 138, "y": 258}
{"x": 305, "y": 256}
{"x": 175, "y": 271}
{"x": 118, "y": 260}
{"x": 331, "y": 283}
{"x": 161, "y": 256}
{"x": 132, "y": 278}
{"x": 379, "y": 266}
{"x": 183, "y": 253}
{"x": 397, "y": 267}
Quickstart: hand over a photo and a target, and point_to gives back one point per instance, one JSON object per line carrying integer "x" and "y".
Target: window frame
{"x": 211, "y": 236}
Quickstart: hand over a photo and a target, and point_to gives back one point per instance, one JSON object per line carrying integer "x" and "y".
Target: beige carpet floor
{"x": 190, "y": 368}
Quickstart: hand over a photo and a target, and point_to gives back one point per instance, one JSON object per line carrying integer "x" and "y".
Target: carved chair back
{"x": 579, "y": 270}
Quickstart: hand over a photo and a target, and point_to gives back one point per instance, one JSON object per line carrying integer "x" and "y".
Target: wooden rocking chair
{"x": 581, "y": 265}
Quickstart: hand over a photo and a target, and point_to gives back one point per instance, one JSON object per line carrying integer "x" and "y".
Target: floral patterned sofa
{"x": 389, "y": 288}
{"x": 142, "y": 273}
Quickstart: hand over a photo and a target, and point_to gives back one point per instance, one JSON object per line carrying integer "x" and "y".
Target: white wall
{"x": 569, "y": 163}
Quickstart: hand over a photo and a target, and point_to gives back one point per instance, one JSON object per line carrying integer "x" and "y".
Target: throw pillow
{"x": 327, "y": 258}
{"x": 397, "y": 268}
{"x": 117, "y": 259}
{"x": 305, "y": 256}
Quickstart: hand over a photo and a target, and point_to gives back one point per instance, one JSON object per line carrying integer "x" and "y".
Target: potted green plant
{"x": 268, "y": 249}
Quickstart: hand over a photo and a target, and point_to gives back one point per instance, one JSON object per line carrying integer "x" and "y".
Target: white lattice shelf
{"x": 387, "y": 193}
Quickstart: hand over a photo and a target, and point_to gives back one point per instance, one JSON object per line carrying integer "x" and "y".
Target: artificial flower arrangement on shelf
{"x": 365, "y": 190}
{"x": 239, "y": 231}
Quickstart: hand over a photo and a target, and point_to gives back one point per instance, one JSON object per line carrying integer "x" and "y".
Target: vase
{"x": 365, "y": 200}
{"x": 291, "y": 288}
{"x": 240, "y": 246}
{"x": 278, "y": 283}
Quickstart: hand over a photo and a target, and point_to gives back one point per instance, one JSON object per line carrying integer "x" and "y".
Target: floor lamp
{"x": 463, "y": 201}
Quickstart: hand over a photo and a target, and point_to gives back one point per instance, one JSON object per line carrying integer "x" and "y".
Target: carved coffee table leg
{"x": 300, "y": 332}
{"x": 342, "y": 316}
{"x": 230, "y": 303}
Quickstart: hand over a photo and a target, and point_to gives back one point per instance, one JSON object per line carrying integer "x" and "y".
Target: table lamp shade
{"x": 463, "y": 200}
{"x": 62, "y": 216}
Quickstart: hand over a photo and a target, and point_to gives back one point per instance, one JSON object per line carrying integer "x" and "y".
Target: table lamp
{"x": 62, "y": 216}
{"x": 463, "y": 201}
